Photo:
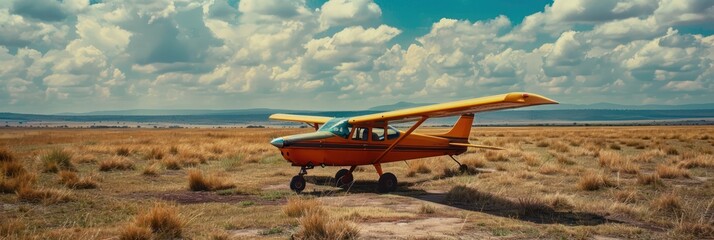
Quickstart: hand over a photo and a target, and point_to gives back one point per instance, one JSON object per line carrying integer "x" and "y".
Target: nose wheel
{"x": 297, "y": 184}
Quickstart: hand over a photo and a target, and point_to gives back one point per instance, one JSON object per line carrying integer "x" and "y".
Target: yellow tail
{"x": 462, "y": 127}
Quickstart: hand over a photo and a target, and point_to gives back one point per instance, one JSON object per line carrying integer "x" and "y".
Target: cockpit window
{"x": 337, "y": 126}
{"x": 392, "y": 133}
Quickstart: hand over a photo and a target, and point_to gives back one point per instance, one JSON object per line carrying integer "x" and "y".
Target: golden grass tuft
{"x": 696, "y": 230}
{"x": 559, "y": 202}
{"x": 531, "y": 159}
{"x": 649, "y": 179}
{"x": 122, "y": 151}
{"x": 316, "y": 225}
{"x": 427, "y": 209}
{"x": 467, "y": 195}
{"x": 151, "y": 170}
{"x": 667, "y": 203}
{"x": 171, "y": 163}
{"x": 700, "y": 161}
{"x": 665, "y": 171}
{"x": 496, "y": 156}
{"x": 671, "y": 151}
{"x": 197, "y": 182}
{"x": 627, "y": 196}
{"x": 163, "y": 221}
{"x": 71, "y": 180}
{"x": 533, "y": 206}
{"x": 550, "y": 169}
{"x": 593, "y": 181}
{"x": 116, "y": 163}
{"x": 11, "y": 228}
{"x": 6, "y": 155}
{"x": 12, "y": 169}
{"x": 297, "y": 206}
{"x": 56, "y": 160}
{"x": 609, "y": 158}
{"x": 45, "y": 196}
{"x": 419, "y": 167}
{"x": 133, "y": 232}
{"x": 155, "y": 153}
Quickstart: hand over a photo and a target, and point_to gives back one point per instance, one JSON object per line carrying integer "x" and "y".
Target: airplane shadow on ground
{"x": 524, "y": 209}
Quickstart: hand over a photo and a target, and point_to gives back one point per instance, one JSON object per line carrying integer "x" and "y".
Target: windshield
{"x": 337, "y": 126}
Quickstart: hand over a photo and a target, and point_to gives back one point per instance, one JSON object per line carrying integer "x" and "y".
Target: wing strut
{"x": 402, "y": 137}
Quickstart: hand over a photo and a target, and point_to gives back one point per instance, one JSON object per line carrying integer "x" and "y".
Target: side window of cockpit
{"x": 361, "y": 134}
{"x": 377, "y": 134}
{"x": 392, "y": 133}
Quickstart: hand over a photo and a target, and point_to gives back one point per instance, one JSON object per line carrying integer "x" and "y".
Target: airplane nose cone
{"x": 278, "y": 142}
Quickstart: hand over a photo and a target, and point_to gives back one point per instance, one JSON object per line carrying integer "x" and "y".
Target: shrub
{"x": 315, "y": 225}
{"x": 297, "y": 206}
{"x": 57, "y": 160}
{"x": 593, "y": 181}
{"x": 116, "y": 163}
{"x": 162, "y": 220}
{"x": 665, "y": 171}
{"x": 197, "y": 182}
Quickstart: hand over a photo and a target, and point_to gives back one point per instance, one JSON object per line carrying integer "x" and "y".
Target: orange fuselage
{"x": 338, "y": 151}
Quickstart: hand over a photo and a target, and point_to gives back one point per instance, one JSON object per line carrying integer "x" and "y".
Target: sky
{"x": 82, "y": 56}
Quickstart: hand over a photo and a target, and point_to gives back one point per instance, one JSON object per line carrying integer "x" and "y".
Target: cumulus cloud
{"x": 72, "y": 56}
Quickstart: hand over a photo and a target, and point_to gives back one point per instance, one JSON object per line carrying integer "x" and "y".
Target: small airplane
{"x": 370, "y": 140}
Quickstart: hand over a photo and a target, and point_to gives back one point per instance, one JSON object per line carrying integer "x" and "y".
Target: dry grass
{"x": 594, "y": 181}
{"x": 418, "y": 167}
{"x": 427, "y": 209}
{"x": 667, "y": 203}
{"x": 317, "y": 225}
{"x": 116, "y": 164}
{"x": 56, "y": 160}
{"x": 155, "y": 153}
{"x": 531, "y": 159}
{"x": 71, "y": 180}
{"x": 560, "y": 202}
{"x": 700, "y": 161}
{"x": 123, "y": 152}
{"x": 665, "y": 171}
{"x": 162, "y": 222}
{"x": 467, "y": 195}
{"x": 11, "y": 228}
{"x": 6, "y": 155}
{"x": 649, "y": 179}
{"x": 133, "y": 232}
{"x": 171, "y": 163}
{"x": 496, "y": 156}
{"x": 627, "y": 196}
{"x": 297, "y": 206}
{"x": 198, "y": 182}
{"x": 550, "y": 169}
{"x": 43, "y": 195}
{"x": 151, "y": 170}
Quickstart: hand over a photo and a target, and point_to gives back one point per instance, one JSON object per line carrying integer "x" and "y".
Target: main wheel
{"x": 297, "y": 184}
{"x": 343, "y": 178}
{"x": 387, "y": 183}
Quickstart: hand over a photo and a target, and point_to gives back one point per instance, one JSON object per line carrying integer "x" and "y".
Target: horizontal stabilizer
{"x": 476, "y": 146}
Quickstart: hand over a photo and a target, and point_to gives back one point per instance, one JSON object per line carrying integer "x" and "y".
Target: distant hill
{"x": 181, "y": 112}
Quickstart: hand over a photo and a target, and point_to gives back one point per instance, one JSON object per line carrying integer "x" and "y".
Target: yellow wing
{"x": 299, "y": 118}
{"x": 497, "y": 102}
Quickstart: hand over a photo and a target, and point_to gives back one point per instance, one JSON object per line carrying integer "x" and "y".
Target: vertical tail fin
{"x": 462, "y": 127}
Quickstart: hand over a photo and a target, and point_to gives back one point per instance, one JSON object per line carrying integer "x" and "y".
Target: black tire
{"x": 387, "y": 183}
{"x": 463, "y": 168}
{"x": 297, "y": 184}
{"x": 343, "y": 178}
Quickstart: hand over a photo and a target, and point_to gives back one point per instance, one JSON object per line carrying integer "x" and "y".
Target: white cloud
{"x": 344, "y": 13}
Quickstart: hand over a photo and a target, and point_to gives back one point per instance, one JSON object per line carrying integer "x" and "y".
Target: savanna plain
{"x": 654, "y": 182}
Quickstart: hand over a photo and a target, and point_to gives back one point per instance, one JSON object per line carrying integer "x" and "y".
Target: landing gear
{"x": 343, "y": 178}
{"x": 462, "y": 167}
{"x": 387, "y": 183}
{"x": 297, "y": 184}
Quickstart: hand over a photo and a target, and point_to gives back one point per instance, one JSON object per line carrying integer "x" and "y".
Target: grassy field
{"x": 553, "y": 183}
